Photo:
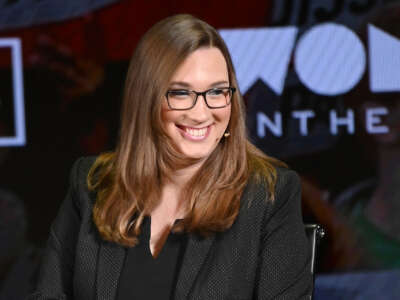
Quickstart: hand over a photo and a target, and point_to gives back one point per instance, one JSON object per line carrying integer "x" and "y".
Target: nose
{"x": 200, "y": 112}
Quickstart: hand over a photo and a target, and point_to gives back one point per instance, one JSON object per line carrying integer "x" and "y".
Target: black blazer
{"x": 264, "y": 255}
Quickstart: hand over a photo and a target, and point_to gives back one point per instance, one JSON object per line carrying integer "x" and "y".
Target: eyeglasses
{"x": 186, "y": 99}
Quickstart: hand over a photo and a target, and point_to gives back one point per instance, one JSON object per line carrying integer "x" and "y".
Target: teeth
{"x": 196, "y": 132}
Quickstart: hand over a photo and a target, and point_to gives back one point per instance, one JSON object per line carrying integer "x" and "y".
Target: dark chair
{"x": 314, "y": 233}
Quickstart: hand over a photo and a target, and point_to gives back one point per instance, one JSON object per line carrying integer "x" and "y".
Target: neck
{"x": 172, "y": 202}
{"x": 179, "y": 178}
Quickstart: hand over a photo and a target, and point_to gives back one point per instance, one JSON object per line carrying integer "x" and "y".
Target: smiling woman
{"x": 197, "y": 130}
{"x": 185, "y": 207}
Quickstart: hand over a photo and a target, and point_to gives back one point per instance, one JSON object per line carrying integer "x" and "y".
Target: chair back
{"x": 314, "y": 233}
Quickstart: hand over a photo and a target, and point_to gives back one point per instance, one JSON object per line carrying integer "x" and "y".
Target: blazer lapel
{"x": 195, "y": 254}
{"x": 111, "y": 259}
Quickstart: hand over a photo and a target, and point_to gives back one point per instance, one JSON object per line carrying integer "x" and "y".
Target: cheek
{"x": 166, "y": 123}
{"x": 168, "y": 117}
{"x": 224, "y": 116}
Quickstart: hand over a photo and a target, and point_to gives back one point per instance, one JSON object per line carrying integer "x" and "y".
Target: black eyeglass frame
{"x": 204, "y": 94}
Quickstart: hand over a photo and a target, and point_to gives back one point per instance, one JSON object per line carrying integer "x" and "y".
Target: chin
{"x": 201, "y": 154}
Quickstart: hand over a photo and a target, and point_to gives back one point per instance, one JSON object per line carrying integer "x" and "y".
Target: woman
{"x": 186, "y": 207}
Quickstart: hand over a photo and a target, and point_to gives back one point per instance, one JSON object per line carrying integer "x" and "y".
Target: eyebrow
{"x": 187, "y": 85}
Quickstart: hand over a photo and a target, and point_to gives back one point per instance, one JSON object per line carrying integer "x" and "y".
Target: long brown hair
{"x": 128, "y": 181}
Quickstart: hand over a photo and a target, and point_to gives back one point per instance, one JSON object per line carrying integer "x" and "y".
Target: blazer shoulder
{"x": 257, "y": 193}
{"x": 287, "y": 180}
{"x": 287, "y": 189}
{"x": 80, "y": 170}
{"x": 82, "y": 196}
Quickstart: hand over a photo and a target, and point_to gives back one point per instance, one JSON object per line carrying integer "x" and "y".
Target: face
{"x": 196, "y": 132}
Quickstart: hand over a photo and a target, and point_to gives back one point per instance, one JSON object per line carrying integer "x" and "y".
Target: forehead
{"x": 201, "y": 68}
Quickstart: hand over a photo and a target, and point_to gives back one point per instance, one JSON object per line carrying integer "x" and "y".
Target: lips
{"x": 194, "y": 134}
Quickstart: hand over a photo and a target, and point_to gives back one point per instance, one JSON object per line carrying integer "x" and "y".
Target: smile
{"x": 196, "y": 134}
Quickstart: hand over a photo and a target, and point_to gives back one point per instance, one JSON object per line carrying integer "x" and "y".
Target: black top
{"x": 146, "y": 277}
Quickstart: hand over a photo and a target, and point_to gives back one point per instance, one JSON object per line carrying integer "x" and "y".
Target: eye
{"x": 178, "y": 93}
{"x": 216, "y": 92}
